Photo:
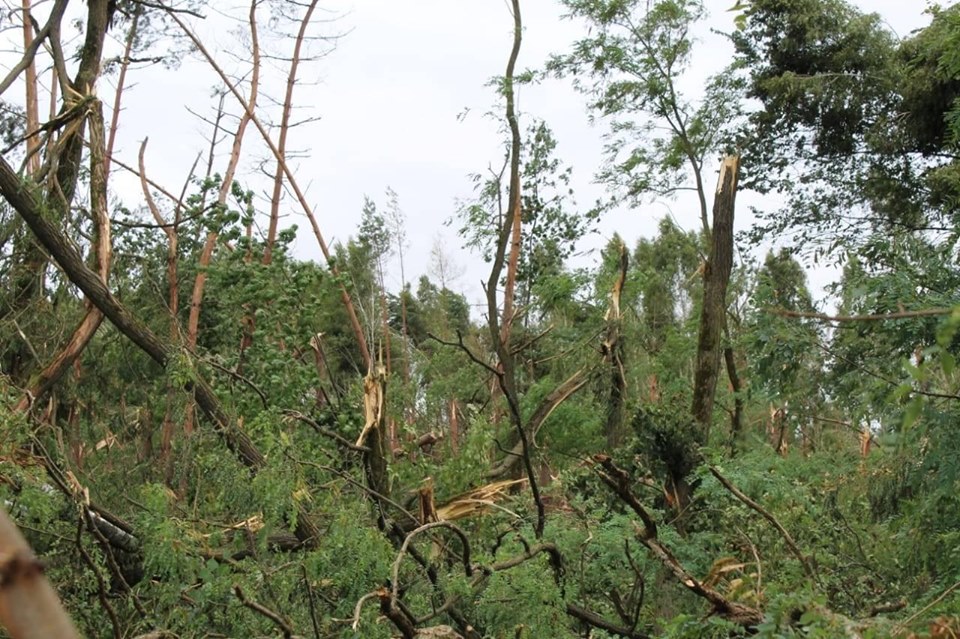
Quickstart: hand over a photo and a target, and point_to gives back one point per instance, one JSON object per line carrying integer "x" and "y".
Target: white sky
{"x": 388, "y": 98}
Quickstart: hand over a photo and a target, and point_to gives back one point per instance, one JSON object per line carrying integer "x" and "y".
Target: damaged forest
{"x": 218, "y": 421}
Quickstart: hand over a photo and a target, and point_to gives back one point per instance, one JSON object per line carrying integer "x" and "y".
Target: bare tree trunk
{"x": 101, "y": 250}
{"x": 196, "y": 299}
{"x": 716, "y": 277}
{"x": 294, "y": 186}
{"x": 374, "y": 436}
{"x": 32, "y": 103}
{"x": 168, "y": 427}
{"x": 101, "y": 256}
{"x": 454, "y": 427}
{"x": 249, "y": 319}
{"x": 500, "y": 333}
{"x": 284, "y": 131}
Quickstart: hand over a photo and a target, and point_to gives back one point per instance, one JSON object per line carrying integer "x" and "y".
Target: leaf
{"x": 912, "y": 411}
{"x": 948, "y": 362}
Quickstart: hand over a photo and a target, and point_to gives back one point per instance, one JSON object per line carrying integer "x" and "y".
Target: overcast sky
{"x": 388, "y": 98}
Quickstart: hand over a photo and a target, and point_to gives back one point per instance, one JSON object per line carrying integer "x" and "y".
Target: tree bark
{"x": 29, "y": 606}
{"x": 613, "y": 352}
{"x": 102, "y": 254}
{"x": 736, "y": 417}
{"x": 716, "y": 277}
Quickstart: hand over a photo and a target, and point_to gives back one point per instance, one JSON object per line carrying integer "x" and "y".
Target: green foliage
{"x": 861, "y": 116}
{"x": 855, "y": 130}
{"x": 631, "y": 65}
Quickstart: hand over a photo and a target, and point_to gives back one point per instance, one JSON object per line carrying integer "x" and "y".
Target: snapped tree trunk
{"x": 613, "y": 353}
{"x": 716, "y": 277}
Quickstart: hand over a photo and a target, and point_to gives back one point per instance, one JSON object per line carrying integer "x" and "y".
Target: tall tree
{"x": 631, "y": 66}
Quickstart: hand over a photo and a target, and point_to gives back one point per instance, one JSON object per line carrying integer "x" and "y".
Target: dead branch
{"x": 107, "y": 548}
{"x": 280, "y": 622}
{"x": 787, "y": 537}
{"x": 102, "y": 595}
{"x": 556, "y": 397}
{"x": 618, "y": 480}
{"x": 395, "y": 572}
{"x": 593, "y": 619}
{"x": 326, "y": 432}
{"x": 129, "y": 41}
{"x": 466, "y": 349}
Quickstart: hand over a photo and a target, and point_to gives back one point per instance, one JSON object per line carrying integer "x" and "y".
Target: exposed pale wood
{"x": 29, "y": 607}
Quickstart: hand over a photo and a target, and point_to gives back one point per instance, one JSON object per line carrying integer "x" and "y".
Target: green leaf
{"x": 912, "y": 411}
{"x": 948, "y": 362}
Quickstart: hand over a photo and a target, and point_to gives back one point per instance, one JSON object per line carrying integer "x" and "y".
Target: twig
{"x": 237, "y": 376}
{"x": 370, "y": 491}
{"x": 460, "y": 344}
{"x": 756, "y": 557}
{"x": 313, "y": 610}
{"x": 326, "y": 432}
{"x": 887, "y": 380}
{"x": 279, "y": 621}
{"x": 101, "y": 585}
{"x": 906, "y": 622}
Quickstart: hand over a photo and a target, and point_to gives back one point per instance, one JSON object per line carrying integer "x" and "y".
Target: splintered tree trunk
{"x": 716, "y": 277}
{"x": 374, "y": 437}
{"x": 613, "y": 352}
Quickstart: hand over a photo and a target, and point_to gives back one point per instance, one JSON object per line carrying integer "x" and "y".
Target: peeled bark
{"x": 716, "y": 277}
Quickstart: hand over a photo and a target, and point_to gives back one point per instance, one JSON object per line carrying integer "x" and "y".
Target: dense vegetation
{"x": 205, "y": 436}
